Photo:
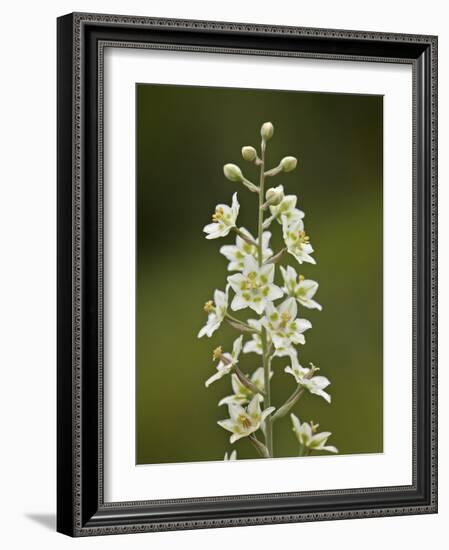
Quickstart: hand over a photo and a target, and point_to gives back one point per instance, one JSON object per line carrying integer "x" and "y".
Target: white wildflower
{"x": 308, "y": 439}
{"x": 301, "y": 289}
{"x": 287, "y": 210}
{"x": 283, "y": 326}
{"x": 296, "y": 241}
{"x": 223, "y": 220}
{"x": 217, "y": 312}
{"x": 243, "y": 422}
{"x": 242, "y": 394}
{"x": 226, "y": 361}
{"x": 237, "y": 253}
{"x": 254, "y": 287}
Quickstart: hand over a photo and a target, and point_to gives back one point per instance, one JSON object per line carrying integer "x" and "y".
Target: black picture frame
{"x": 81, "y": 510}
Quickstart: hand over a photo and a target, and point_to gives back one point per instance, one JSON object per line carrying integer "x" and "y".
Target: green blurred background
{"x": 184, "y": 136}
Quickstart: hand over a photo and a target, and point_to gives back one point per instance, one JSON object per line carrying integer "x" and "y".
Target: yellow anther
{"x": 218, "y": 215}
{"x": 216, "y": 354}
{"x": 285, "y": 318}
{"x": 209, "y": 306}
{"x": 314, "y": 426}
{"x": 301, "y": 278}
{"x": 251, "y": 280}
{"x": 303, "y": 238}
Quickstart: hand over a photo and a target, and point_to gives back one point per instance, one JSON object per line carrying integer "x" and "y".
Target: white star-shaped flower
{"x": 242, "y": 394}
{"x": 303, "y": 289}
{"x": 296, "y": 241}
{"x": 255, "y": 344}
{"x": 283, "y": 326}
{"x": 226, "y": 361}
{"x": 305, "y": 378}
{"x": 254, "y": 287}
{"x": 217, "y": 312}
{"x": 237, "y": 253}
{"x": 224, "y": 219}
{"x": 308, "y": 439}
{"x": 286, "y": 209}
{"x": 244, "y": 422}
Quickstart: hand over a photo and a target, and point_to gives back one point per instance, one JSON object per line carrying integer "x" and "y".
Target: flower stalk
{"x": 277, "y": 330}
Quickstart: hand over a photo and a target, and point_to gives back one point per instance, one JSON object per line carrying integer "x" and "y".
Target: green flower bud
{"x": 274, "y": 195}
{"x": 232, "y": 172}
{"x": 267, "y": 131}
{"x": 288, "y": 164}
{"x": 249, "y": 153}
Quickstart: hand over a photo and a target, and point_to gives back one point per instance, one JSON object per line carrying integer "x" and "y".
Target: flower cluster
{"x": 279, "y": 328}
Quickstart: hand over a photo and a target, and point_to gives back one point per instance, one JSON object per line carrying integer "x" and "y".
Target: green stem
{"x": 261, "y": 196}
{"x": 260, "y": 447}
{"x": 266, "y": 361}
{"x": 244, "y": 237}
{"x": 287, "y": 406}
{"x": 291, "y": 401}
{"x": 244, "y": 325}
{"x": 276, "y": 257}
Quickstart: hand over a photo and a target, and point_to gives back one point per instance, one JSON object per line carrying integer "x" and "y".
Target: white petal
{"x": 237, "y": 386}
{"x": 210, "y": 227}
{"x": 227, "y": 424}
{"x": 257, "y": 377}
{"x": 250, "y": 265}
{"x": 289, "y": 306}
{"x": 270, "y": 310}
{"x": 239, "y": 302}
{"x": 274, "y": 292}
{"x": 237, "y": 348}
{"x": 258, "y": 307}
{"x": 229, "y": 251}
{"x": 266, "y": 236}
{"x": 235, "y": 206}
{"x": 329, "y": 449}
{"x": 214, "y": 378}
{"x": 268, "y": 272}
{"x": 322, "y": 394}
{"x": 237, "y": 399}
{"x": 236, "y": 437}
{"x": 302, "y": 325}
{"x": 320, "y": 438}
{"x": 254, "y": 407}
{"x": 236, "y": 281}
{"x": 235, "y": 411}
{"x": 220, "y": 298}
{"x": 296, "y": 423}
{"x": 310, "y": 287}
{"x": 252, "y": 347}
{"x": 320, "y": 382}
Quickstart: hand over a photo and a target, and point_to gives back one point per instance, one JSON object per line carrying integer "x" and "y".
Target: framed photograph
{"x": 247, "y": 247}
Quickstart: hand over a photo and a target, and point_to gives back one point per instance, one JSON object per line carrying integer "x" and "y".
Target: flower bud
{"x": 274, "y": 195}
{"x": 288, "y": 164}
{"x": 232, "y": 172}
{"x": 249, "y": 153}
{"x": 267, "y": 131}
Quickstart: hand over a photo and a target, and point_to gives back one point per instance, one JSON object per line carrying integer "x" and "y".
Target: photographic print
{"x": 247, "y": 274}
{"x": 259, "y": 274}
